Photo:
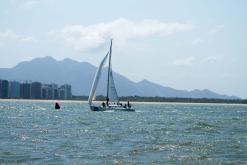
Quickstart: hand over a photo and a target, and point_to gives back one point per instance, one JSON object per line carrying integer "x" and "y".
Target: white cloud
{"x": 185, "y": 61}
{"x": 197, "y": 41}
{"x": 26, "y": 39}
{"x": 189, "y": 61}
{"x": 10, "y": 35}
{"x": 227, "y": 75}
{"x": 211, "y": 32}
{"x": 216, "y": 29}
{"x": 30, "y": 3}
{"x": 208, "y": 59}
{"x": 92, "y": 36}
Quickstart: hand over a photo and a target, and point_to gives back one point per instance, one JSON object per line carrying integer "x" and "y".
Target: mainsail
{"x": 111, "y": 89}
{"x": 112, "y": 95}
{"x": 96, "y": 80}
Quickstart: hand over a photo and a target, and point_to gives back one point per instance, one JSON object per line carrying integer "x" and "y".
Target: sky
{"x": 183, "y": 44}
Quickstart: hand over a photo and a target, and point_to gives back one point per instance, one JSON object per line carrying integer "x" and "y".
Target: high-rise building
{"x": 25, "y": 90}
{"x": 0, "y": 88}
{"x": 56, "y": 93}
{"x": 49, "y": 91}
{"x": 61, "y": 93}
{"x": 4, "y": 88}
{"x": 43, "y": 93}
{"x": 68, "y": 91}
{"x": 52, "y": 90}
{"x": 65, "y": 91}
{"x": 14, "y": 89}
{"x": 36, "y": 90}
{"x": 45, "y": 88}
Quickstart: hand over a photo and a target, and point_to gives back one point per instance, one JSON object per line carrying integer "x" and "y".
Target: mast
{"x": 108, "y": 78}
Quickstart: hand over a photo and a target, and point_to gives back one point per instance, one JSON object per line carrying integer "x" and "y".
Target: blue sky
{"x": 184, "y": 44}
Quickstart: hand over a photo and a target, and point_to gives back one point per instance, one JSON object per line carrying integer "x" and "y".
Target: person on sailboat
{"x": 128, "y": 104}
{"x": 103, "y": 104}
{"x": 107, "y": 101}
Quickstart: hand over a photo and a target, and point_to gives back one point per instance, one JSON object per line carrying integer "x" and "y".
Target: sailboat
{"x": 112, "y": 101}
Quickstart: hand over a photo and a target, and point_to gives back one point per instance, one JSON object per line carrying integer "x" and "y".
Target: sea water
{"x": 33, "y": 132}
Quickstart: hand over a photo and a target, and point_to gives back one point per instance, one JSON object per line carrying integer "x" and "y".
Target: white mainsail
{"x": 112, "y": 89}
{"x": 96, "y": 80}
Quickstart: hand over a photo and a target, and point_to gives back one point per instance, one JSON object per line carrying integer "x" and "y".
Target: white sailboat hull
{"x": 111, "y": 108}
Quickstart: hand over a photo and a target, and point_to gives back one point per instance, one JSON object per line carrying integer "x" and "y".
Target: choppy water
{"x": 34, "y": 133}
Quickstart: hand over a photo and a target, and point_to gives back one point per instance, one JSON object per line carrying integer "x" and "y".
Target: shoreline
{"x": 132, "y": 102}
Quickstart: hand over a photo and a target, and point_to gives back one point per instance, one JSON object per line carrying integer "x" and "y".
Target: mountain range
{"x": 80, "y": 75}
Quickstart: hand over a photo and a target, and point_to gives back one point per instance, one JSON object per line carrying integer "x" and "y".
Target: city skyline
{"x": 182, "y": 44}
{"x": 33, "y": 90}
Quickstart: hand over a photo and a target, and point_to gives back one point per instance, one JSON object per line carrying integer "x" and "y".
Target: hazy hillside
{"x": 80, "y": 76}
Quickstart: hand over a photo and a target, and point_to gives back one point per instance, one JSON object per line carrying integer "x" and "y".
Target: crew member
{"x": 129, "y": 104}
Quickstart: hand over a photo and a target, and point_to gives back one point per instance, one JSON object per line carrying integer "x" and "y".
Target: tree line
{"x": 167, "y": 99}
